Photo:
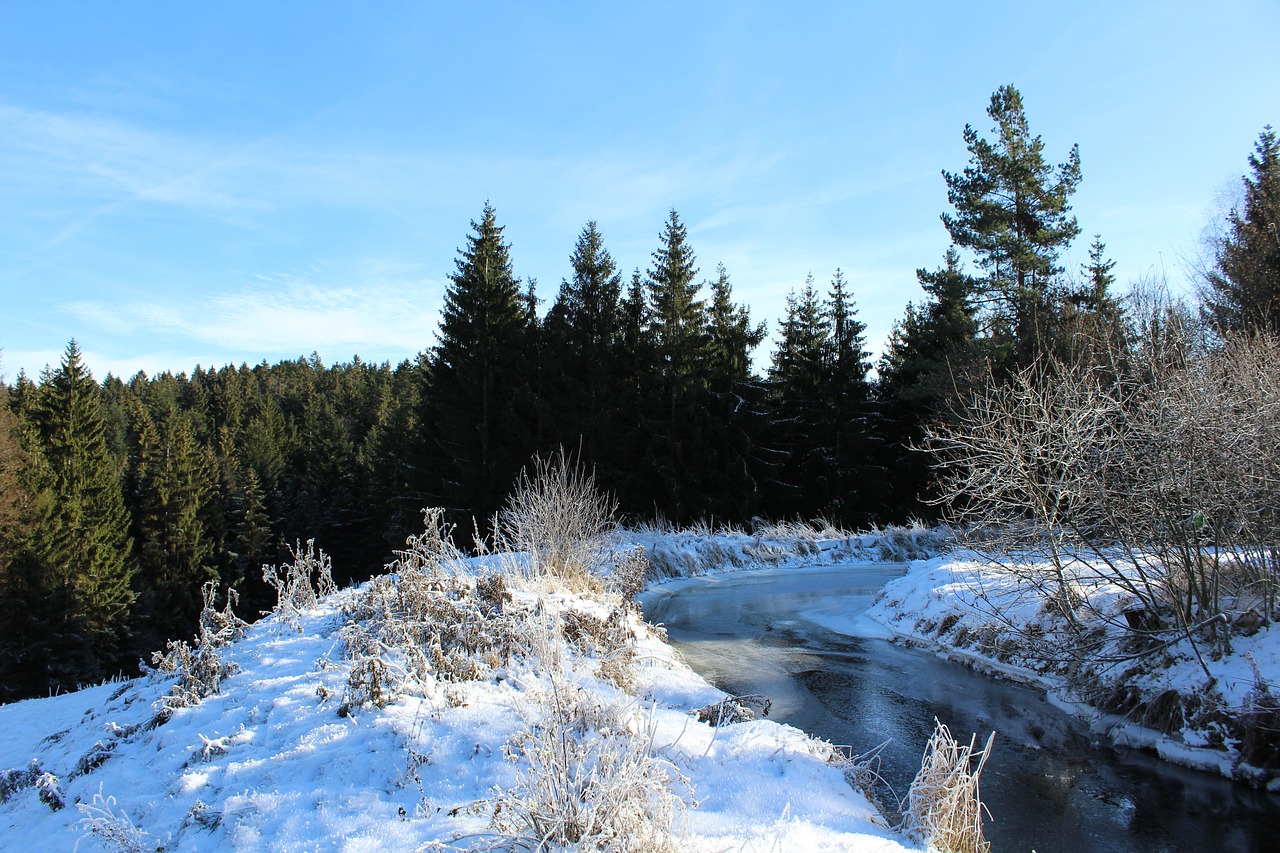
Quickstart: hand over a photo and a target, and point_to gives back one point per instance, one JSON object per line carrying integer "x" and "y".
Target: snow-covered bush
{"x": 1152, "y": 469}
{"x": 112, "y": 828}
{"x": 46, "y": 785}
{"x": 560, "y": 519}
{"x": 430, "y": 616}
{"x": 944, "y": 806}
{"x": 628, "y": 572}
{"x": 201, "y": 670}
{"x": 609, "y": 640}
{"x": 588, "y": 777}
{"x": 301, "y": 584}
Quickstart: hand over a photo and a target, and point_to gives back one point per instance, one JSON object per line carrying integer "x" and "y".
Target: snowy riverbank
{"x": 288, "y": 755}
{"x": 1164, "y": 701}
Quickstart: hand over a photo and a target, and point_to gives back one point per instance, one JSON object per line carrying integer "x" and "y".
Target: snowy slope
{"x": 279, "y": 760}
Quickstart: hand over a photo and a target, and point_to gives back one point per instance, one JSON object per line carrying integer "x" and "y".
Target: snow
{"x": 269, "y": 763}
{"x": 968, "y": 609}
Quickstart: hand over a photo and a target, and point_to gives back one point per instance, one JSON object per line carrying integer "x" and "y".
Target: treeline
{"x": 121, "y": 498}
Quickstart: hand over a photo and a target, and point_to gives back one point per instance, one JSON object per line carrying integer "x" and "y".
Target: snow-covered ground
{"x": 975, "y": 613}
{"x": 965, "y": 607}
{"x": 284, "y": 757}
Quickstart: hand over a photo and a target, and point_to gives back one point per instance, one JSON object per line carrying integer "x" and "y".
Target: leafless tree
{"x": 1158, "y": 462}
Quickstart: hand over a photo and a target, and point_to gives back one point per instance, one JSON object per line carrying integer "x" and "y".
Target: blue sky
{"x": 212, "y": 183}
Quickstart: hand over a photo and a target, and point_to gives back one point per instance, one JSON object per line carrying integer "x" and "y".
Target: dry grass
{"x": 301, "y": 584}
{"x": 558, "y": 517}
{"x": 588, "y": 778}
{"x": 200, "y": 669}
{"x": 944, "y": 805}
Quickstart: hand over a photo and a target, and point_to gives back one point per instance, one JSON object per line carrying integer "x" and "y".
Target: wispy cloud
{"x": 392, "y": 314}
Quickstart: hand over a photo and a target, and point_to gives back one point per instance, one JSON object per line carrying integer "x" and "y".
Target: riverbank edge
{"x": 678, "y": 555}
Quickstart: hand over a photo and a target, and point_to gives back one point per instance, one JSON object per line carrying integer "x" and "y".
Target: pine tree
{"x": 676, "y": 415}
{"x": 175, "y": 482}
{"x": 478, "y": 368}
{"x": 800, "y": 395}
{"x": 678, "y": 315}
{"x": 932, "y": 355}
{"x": 732, "y": 337}
{"x": 1012, "y": 210}
{"x": 1242, "y": 288}
{"x": 629, "y": 470}
{"x": 738, "y": 463}
{"x": 583, "y": 328}
{"x": 858, "y": 477}
{"x": 83, "y": 554}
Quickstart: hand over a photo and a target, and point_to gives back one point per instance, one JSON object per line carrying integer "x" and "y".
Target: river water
{"x": 1051, "y": 785}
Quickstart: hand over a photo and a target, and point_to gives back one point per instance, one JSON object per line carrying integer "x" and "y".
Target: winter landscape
{"x": 837, "y": 428}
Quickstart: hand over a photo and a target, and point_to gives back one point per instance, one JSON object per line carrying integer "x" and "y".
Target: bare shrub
{"x": 427, "y": 617}
{"x": 201, "y": 670}
{"x": 944, "y": 806}
{"x": 112, "y": 827}
{"x": 1260, "y": 724}
{"x": 1152, "y": 468}
{"x": 588, "y": 777}
{"x": 560, "y": 519}
{"x": 301, "y": 584}
{"x": 609, "y": 640}
{"x": 628, "y": 573}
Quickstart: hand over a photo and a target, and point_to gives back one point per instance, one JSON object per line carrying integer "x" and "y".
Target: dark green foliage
{"x": 477, "y": 397}
{"x": 822, "y": 412}
{"x": 175, "y": 483}
{"x": 1012, "y": 210}
{"x": 68, "y": 587}
{"x": 1242, "y": 287}
{"x": 932, "y": 355}
{"x": 583, "y": 359}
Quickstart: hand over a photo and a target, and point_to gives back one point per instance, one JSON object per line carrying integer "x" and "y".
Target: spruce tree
{"x": 1012, "y": 210}
{"x": 478, "y": 369}
{"x": 932, "y": 355}
{"x": 799, "y": 383}
{"x": 84, "y": 553}
{"x": 678, "y": 335}
{"x": 1242, "y": 288}
{"x": 858, "y": 475}
{"x": 738, "y": 463}
{"x": 175, "y": 482}
{"x": 583, "y": 328}
{"x": 678, "y": 315}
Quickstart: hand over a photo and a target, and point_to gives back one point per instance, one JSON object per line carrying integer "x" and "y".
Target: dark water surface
{"x": 1051, "y": 785}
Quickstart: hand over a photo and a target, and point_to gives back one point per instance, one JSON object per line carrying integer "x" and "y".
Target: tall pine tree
{"x": 1012, "y": 209}
{"x": 80, "y": 563}
{"x": 1242, "y": 288}
{"x": 479, "y": 369}
{"x": 677, "y": 334}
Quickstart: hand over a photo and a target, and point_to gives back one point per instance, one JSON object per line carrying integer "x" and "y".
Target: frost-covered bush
{"x": 201, "y": 669}
{"x": 734, "y": 709}
{"x": 428, "y": 617}
{"x": 610, "y": 641}
{"x": 560, "y": 519}
{"x": 628, "y": 572}
{"x": 588, "y": 777}
{"x": 112, "y": 827}
{"x": 46, "y": 785}
{"x": 301, "y": 584}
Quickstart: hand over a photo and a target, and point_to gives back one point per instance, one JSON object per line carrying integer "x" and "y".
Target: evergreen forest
{"x": 120, "y": 498}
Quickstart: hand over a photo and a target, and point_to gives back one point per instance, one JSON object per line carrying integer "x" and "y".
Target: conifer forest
{"x": 121, "y": 496}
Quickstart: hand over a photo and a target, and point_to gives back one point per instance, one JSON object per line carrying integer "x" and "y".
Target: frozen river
{"x": 1052, "y": 785}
